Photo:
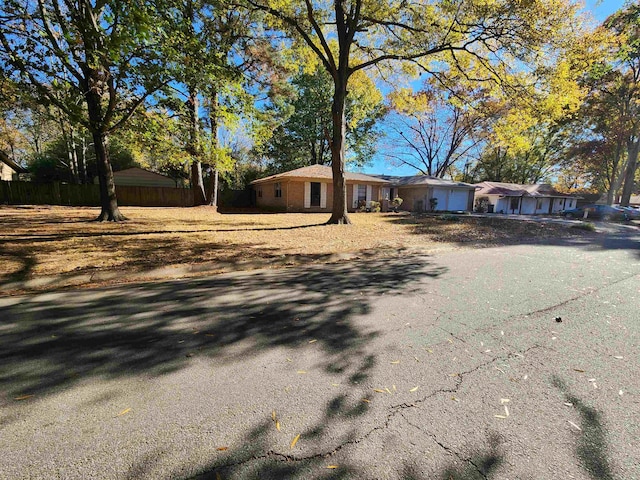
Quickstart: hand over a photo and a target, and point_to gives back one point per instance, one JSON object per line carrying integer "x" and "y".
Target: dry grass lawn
{"x": 41, "y": 241}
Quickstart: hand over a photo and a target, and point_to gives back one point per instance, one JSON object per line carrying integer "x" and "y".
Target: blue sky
{"x": 600, "y": 9}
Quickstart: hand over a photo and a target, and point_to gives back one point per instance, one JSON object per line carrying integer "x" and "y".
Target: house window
{"x": 514, "y": 203}
{"x": 315, "y": 194}
{"x": 362, "y": 193}
{"x": 259, "y": 192}
{"x": 539, "y": 204}
{"x": 278, "y": 188}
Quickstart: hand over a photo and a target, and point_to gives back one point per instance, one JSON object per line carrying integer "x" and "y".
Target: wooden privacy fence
{"x": 28, "y": 193}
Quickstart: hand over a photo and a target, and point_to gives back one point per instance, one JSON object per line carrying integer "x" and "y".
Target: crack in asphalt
{"x": 449, "y": 450}
{"x": 392, "y": 411}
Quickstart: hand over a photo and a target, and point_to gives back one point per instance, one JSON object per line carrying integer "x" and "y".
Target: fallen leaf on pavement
{"x": 574, "y": 425}
{"x": 500, "y": 416}
{"x": 273, "y": 415}
{"x": 23, "y": 397}
{"x": 295, "y": 440}
{"x": 378, "y": 390}
{"x": 395, "y": 362}
{"x": 332, "y": 466}
{"x": 504, "y": 400}
{"x": 301, "y": 372}
{"x": 222, "y": 449}
{"x": 313, "y": 341}
{"x": 414, "y": 389}
{"x": 619, "y": 357}
{"x": 366, "y": 400}
{"x": 126, "y": 410}
{"x": 278, "y": 425}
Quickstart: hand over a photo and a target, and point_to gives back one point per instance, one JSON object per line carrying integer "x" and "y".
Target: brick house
{"x": 310, "y": 189}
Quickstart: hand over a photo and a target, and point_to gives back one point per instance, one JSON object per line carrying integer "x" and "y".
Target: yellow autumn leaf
{"x": 301, "y": 372}
{"x": 222, "y": 449}
{"x": 366, "y": 400}
{"x": 23, "y": 397}
{"x": 273, "y": 415}
{"x": 395, "y": 362}
{"x": 378, "y": 390}
{"x": 295, "y": 440}
{"x": 126, "y": 410}
{"x": 414, "y": 389}
{"x": 278, "y": 425}
{"x": 332, "y": 466}
{"x": 313, "y": 341}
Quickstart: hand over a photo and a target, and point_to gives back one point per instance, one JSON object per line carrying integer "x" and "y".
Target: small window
{"x": 278, "y": 188}
{"x": 539, "y": 204}
{"x": 315, "y": 194}
{"x": 514, "y": 203}
{"x": 362, "y": 193}
{"x": 259, "y": 191}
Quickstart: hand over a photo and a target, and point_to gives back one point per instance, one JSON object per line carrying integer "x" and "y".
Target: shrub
{"x": 481, "y": 205}
{"x": 587, "y": 226}
{"x": 433, "y": 203}
{"x": 374, "y": 206}
{"x": 447, "y": 217}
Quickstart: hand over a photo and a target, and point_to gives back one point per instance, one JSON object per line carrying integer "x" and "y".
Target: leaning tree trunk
{"x": 108, "y": 200}
{"x": 339, "y": 212}
{"x": 630, "y": 173}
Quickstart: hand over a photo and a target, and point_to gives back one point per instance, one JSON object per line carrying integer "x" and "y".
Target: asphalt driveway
{"x": 510, "y": 362}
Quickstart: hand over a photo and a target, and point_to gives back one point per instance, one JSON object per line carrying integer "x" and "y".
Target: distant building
{"x": 139, "y": 177}
{"x": 524, "y": 199}
{"x": 9, "y": 170}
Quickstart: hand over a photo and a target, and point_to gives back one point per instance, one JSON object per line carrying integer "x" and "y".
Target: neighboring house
{"x": 310, "y": 189}
{"x": 524, "y": 199}
{"x": 139, "y": 177}
{"x": 9, "y": 170}
{"x": 417, "y": 191}
{"x": 634, "y": 201}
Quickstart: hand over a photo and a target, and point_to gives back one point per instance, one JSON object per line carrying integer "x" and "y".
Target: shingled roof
{"x": 318, "y": 172}
{"x": 517, "y": 190}
{"x": 419, "y": 180}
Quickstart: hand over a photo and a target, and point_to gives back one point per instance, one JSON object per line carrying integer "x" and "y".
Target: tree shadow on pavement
{"x": 52, "y": 341}
{"x": 482, "y": 465}
{"x": 591, "y": 448}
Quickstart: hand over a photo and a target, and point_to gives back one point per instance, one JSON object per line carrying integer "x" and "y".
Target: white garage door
{"x": 441, "y": 194}
{"x": 458, "y": 199}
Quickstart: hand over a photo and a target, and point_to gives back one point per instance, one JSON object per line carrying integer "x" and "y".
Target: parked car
{"x": 604, "y": 212}
{"x": 632, "y": 213}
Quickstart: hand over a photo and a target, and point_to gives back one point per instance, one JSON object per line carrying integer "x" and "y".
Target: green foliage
{"x": 587, "y": 226}
{"x": 302, "y": 138}
{"x": 53, "y": 163}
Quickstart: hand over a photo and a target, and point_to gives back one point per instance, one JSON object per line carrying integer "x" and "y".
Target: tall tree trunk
{"x": 617, "y": 175}
{"x": 193, "y": 148}
{"x": 630, "y": 172}
{"x": 339, "y": 212}
{"x": 108, "y": 201}
{"x": 212, "y": 193}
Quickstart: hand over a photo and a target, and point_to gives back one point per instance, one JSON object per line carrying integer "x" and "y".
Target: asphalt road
{"x": 444, "y": 367}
